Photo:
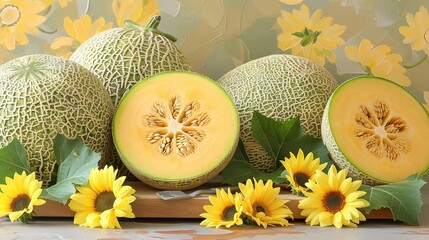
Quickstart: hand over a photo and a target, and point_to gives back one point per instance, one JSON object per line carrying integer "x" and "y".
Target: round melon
{"x": 176, "y": 130}
{"x": 376, "y": 129}
{"x": 42, "y": 96}
{"x": 280, "y": 87}
{"x": 122, "y": 56}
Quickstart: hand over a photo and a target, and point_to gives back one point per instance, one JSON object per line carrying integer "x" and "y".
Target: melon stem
{"x": 151, "y": 26}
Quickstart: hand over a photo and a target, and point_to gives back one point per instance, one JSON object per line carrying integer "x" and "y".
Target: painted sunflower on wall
{"x": 19, "y": 18}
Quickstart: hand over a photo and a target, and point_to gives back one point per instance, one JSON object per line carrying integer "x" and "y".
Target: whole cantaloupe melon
{"x": 280, "y": 87}
{"x": 42, "y": 96}
{"x": 376, "y": 129}
{"x": 122, "y": 56}
{"x": 176, "y": 130}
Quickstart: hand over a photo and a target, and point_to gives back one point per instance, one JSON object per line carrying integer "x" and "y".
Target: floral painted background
{"x": 388, "y": 38}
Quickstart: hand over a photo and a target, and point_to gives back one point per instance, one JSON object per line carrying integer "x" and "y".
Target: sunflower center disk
{"x": 9, "y": 15}
{"x": 228, "y": 213}
{"x": 301, "y": 178}
{"x": 104, "y": 201}
{"x": 260, "y": 209}
{"x": 20, "y": 202}
{"x": 334, "y": 202}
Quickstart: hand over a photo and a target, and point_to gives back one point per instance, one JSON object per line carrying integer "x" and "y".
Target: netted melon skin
{"x": 121, "y": 57}
{"x": 42, "y": 96}
{"x": 280, "y": 87}
{"x": 338, "y": 157}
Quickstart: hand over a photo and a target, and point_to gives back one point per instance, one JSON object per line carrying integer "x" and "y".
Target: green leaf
{"x": 271, "y": 134}
{"x": 299, "y": 34}
{"x": 63, "y": 147}
{"x": 315, "y": 36}
{"x": 403, "y": 198}
{"x": 279, "y": 138}
{"x": 307, "y": 31}
{"x": 239, "y": 170}
{"x": 306, "y": 40}
{"x": 75, "y": 163}
{"x": 13, "y": 160}
{"x": 240, "y": 152}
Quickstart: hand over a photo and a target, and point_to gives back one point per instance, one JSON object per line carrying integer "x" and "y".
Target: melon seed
{"x": 383, "y": 130}
{"x": 179, "y": 129}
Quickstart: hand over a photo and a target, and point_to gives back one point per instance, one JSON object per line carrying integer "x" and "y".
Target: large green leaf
{"x": 240, "y": 152}
{"x": 239, "y": 170}
{"x": 272, "y": 135}
{"x": 13, "y": 160}
{"x": 280, "y": 138}
{"x": 75, "y": 163}
{"x": 403, "y": 198}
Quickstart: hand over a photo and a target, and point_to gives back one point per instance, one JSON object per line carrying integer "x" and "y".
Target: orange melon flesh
{"x": 213, "y": 139}
{"x": 402, "y": 126}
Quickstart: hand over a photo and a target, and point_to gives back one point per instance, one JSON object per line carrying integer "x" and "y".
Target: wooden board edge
{"x": 148, "y": 205}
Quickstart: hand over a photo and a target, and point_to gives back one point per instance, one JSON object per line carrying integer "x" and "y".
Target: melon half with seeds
{"x": 377, "y": 129}
{"x": 176, "y": 130}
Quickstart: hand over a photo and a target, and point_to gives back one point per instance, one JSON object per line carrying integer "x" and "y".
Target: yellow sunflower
{"x": 378, "y": 61}
{"x": 262, "y": 205}
{"x": 333, "y": 200}
{"x": 225, "y": 210}
{"x": 313, "y": 37}
{"x": 138, "y": 11}
{"x": 417, "y": 31}
{"x": 300, "y": 169}
{"x": 19, "y": 195}
{"x": 17, "y": 18}
{"x": 102, "y": 200}
{"x": 79, "y": 31}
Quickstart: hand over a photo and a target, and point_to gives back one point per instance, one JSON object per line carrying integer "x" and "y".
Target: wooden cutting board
{"x": 149, "y": 205}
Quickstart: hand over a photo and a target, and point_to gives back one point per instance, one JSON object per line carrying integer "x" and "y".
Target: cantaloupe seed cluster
{"x": 176, "y": 130}
{"x": 382, "y": 134}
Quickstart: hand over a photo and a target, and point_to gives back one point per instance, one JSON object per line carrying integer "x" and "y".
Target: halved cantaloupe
{"x": 377, "y": 129}
{"x": 176, "y": 130}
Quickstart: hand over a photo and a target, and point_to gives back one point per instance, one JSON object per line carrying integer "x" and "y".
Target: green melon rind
{"x": 256, "y": 86}
{"x": 183, "y": 183}
{"x": 340, "y": 158}
{"x": 42, "y": 96}
{"x": 180, "y": 184}
{"x": 121, "y": 57}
